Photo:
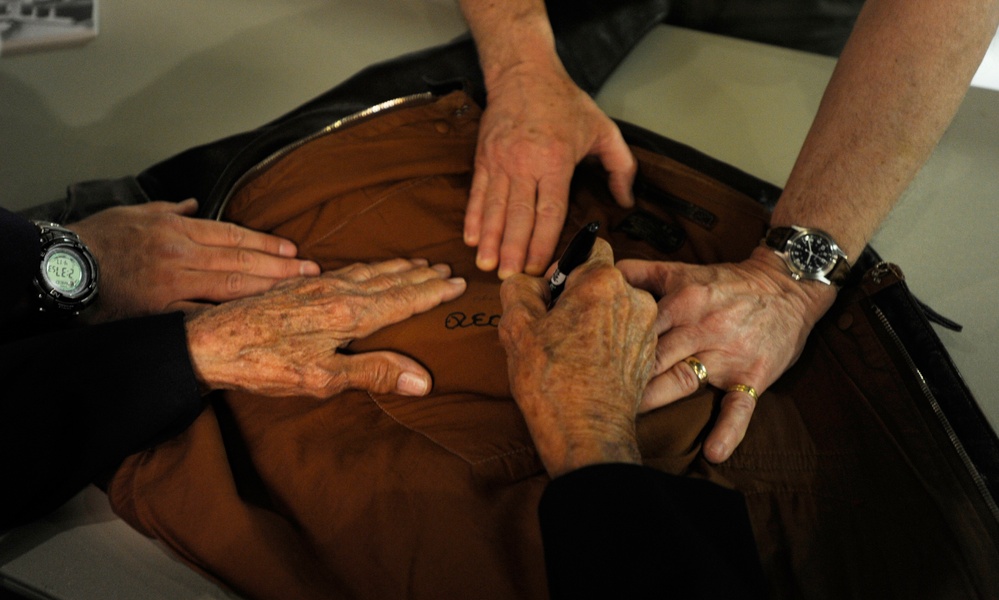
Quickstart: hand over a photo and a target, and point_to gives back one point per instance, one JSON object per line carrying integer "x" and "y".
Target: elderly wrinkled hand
{"x": 157, "y": 258}
{"x": 744, "y": 323}
{"x": 578, "y": 372}
{"x": 537, "y": 127}
{"x": 287, "y": 342}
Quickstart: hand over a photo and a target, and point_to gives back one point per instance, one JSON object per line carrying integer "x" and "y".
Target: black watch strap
{"x": 777, "y": 237}
{"x": 840, "y": 272}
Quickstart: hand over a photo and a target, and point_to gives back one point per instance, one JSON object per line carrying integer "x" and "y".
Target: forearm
{"x": 510, "y": 35}
{"x": 893, "y": 93}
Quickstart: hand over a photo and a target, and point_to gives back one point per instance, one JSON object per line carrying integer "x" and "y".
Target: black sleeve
{"x": 627, "y": 531}
{"x": 20, "y": 246}
{"x": 20, "y": 258}
{"x": 74, "y": 403}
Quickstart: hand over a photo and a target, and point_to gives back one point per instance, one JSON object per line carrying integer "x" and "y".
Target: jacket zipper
{"x": 941, "y": 417}
{"x": 339, "y": 124}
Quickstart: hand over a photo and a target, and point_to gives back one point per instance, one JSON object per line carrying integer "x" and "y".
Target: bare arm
{"x": 898, "y": 84}
{"x": 536, "y": 128}
{"x": 896, "y": 88}
{"x": 509, "y": 33}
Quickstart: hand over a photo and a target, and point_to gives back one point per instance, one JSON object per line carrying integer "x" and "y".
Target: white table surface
{"x": 164, "y": 75}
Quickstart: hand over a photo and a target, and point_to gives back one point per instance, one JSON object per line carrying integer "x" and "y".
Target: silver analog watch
{"x": 809, "y": 254}
{"x": 68, "y": 275}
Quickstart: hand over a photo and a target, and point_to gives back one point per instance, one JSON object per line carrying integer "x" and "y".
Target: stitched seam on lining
{"x": 386, "y": 195}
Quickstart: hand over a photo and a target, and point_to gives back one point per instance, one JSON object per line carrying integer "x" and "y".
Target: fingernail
{"x": 442, "y": 268}
{"x": 411, "y": 384}
{"x": 535, "y": 268}
{"x": 287, "y": 249}
{"x": 310, "y": 268}
{"x": 718, "y": 451}
{"x": 459, "y": 281}
{"x": 485, "y": 263}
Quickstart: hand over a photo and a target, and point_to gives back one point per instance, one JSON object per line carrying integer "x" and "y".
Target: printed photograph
{"x": 33, "y": 25}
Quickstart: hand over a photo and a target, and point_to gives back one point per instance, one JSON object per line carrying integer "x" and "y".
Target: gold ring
{"x": 741, "y": 387}
{"x": 699, "y": 369}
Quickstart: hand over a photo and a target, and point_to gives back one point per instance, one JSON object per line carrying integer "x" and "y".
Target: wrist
{"x": 534, "y": 67}
{"x": 596, "y": 452}
{"x": 515, "y": 42}
{"x": 67, "y": 279}
{"x": 814, "y": 297}
{"x": 809, "y": 254}
{"x": 597, "y": 441}
{"x": 794, "y": 209}
{"x": 203, "y": 354}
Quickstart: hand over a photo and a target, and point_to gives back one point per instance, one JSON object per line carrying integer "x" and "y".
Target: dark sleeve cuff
{"x": 20, "y": 247}
{"x": 79, "y": 401}
{"x": 627, "y": 531}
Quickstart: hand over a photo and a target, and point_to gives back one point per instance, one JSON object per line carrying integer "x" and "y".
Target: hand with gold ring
{"x": 700, "y": 371}
{"x": 745, "y": 389}
{"x": 737, "y": 326}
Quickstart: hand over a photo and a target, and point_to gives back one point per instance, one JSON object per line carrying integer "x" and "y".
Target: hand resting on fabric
{"x": 537, "y": 126}
{"x": 157, "y": 258}
{"x": 287, "y": 342}
{"x": 746, "y": 322}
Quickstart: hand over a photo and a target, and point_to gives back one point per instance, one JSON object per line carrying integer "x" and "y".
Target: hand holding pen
{"x": 578, "y": 371}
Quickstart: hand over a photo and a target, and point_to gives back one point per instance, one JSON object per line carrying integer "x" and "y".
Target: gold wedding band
{"x": 699, "y": 369}
{"x": 741, "y": 387}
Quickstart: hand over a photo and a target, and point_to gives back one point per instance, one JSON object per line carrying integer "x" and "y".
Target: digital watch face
{"x": 811, "y": 253}
{"x": 65, "y": 271}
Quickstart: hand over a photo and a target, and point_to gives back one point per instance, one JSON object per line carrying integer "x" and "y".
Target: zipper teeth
{"x": 942, "y": 418}
{"x": 352, "y": 119}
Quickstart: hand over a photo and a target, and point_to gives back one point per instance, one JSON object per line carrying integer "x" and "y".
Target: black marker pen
{"x": 575, "y": 254}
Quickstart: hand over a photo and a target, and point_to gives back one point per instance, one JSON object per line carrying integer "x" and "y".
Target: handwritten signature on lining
{"x": 460, "y": 320}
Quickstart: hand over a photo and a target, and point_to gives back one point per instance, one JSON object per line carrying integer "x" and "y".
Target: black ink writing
{"x": 459, "y": 320}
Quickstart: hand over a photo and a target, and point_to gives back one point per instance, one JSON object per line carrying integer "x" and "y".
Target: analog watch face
{"x": 811, "y": 253}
